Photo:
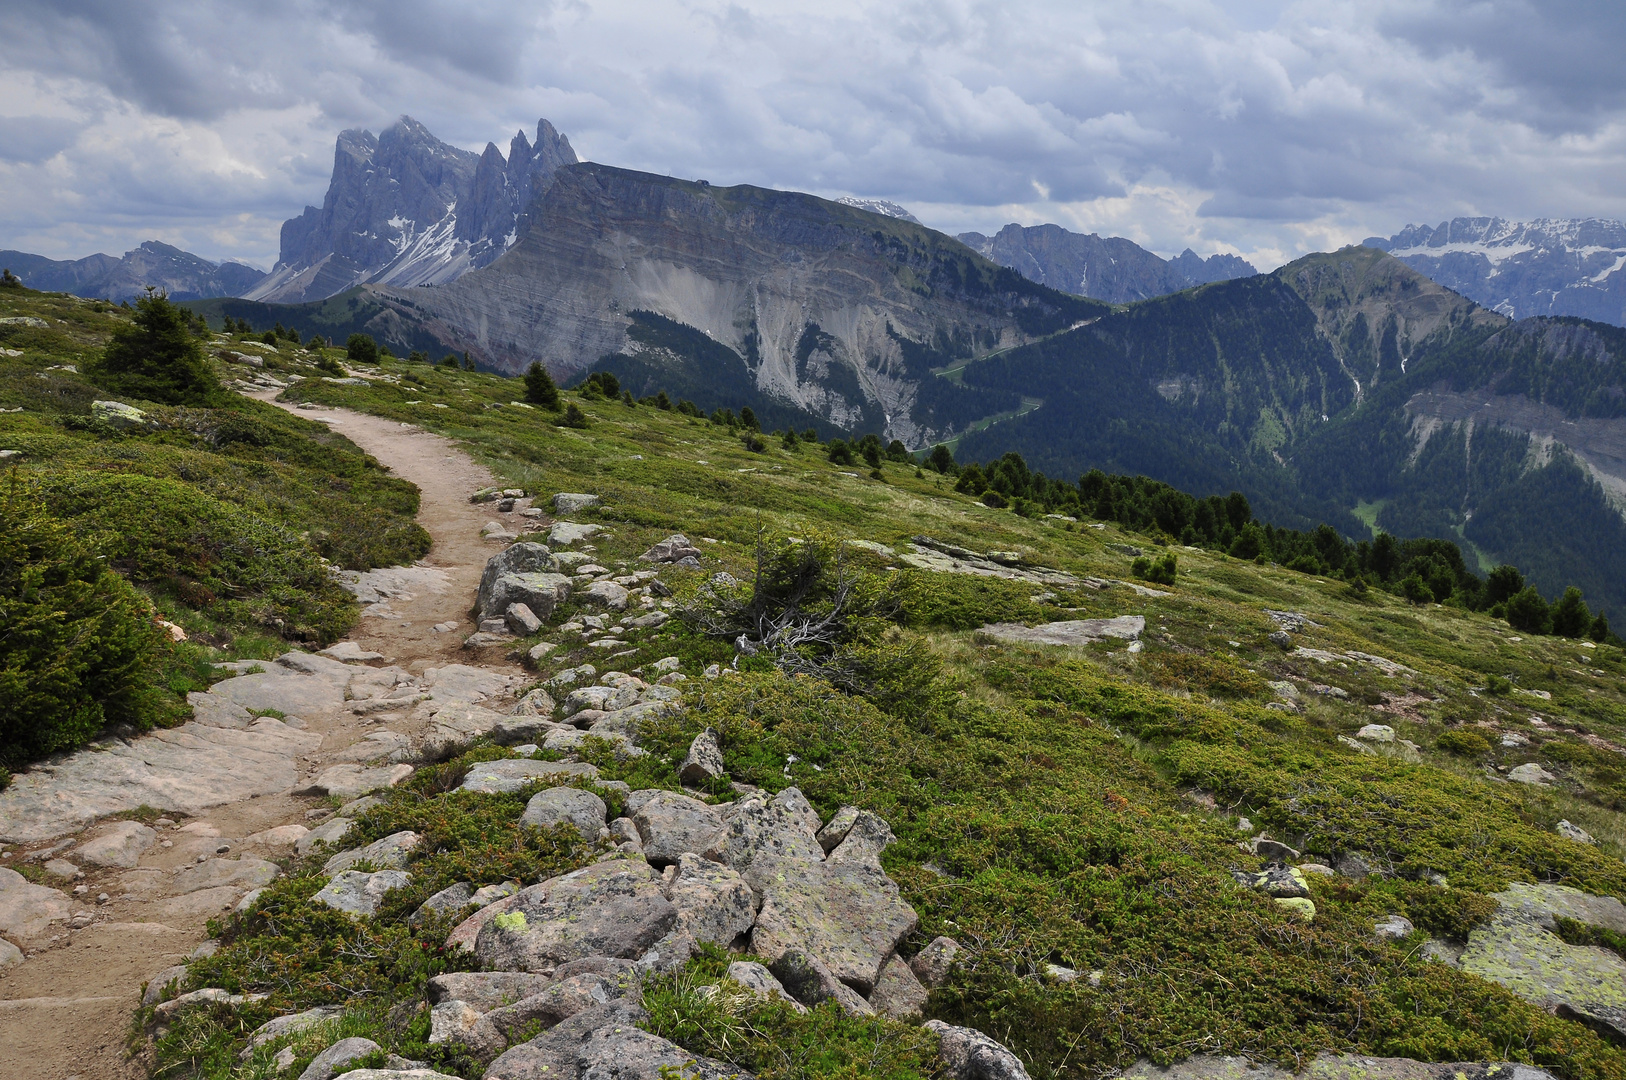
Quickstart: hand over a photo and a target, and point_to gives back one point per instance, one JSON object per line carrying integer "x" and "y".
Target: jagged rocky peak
{"x": 879, "y": 206}
{"x": 1551, "y": 266}
{"x": 1113, "y": 269}
{"x": 405, "y": 208}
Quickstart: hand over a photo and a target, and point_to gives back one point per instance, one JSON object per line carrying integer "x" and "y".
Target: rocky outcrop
{"x": 745, "y": 294}
{"x": 406, "y": 209}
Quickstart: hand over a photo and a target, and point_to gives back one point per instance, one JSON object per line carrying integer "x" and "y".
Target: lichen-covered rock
{"x": 848, "y": 916}
{"x": 290, "y": 1024}
{"x": 455, "y": 726}
{"x": 1520, "y": 949}
{"x": 1531, "y": 773}
{"x": 521, "y": 558}
{"x": 511, "y": 774}
{"x": 898, "y": 994}
{"x": 349, "y": 781}
{"x": 460, "y": 1024}
{"x": 760, "y": 981}
{"x": 704, "y": 762}
{"x": 553, "y": 1055}
{"x": 759, "y": 826}
{"x": 361, "y": 893}
{"x": 670, "y": 550}
{"x": 536, "y": 703}
{"x": 866, "y": 838}
{"x": 563, "y": 999}
{"x": 835, "y": 830}
{"x": 566, "y": 806}
{"x": 714, "y": 903}
{"x": 599, "y": 698}
{"x": 626, "y": 1053}
{"x": 1280, "y": 882}
{"x": 603, "y": 594}
{"x": 968, "y": 1054}
{"x": 390, "y": 853}
{"x": 486, "y": 990}
{"x": 614, "y": 908}
{"x": 332, "y": 1061}
{"x": 448, "y": 901}
{"x": 1328, "y": 1066}
{"x": 931, "y": 965}
{"x": 812, "y": 983}
{"x": 329, "y": 832}
{"x": 540, "y": 593}
{"x": 670, "y": 824}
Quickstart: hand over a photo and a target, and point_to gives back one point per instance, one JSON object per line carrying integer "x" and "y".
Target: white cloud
{"x": 1259, "y": 127}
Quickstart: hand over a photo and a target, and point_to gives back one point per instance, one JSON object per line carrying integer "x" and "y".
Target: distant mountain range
{"x": 183, "y": 275}
{"x": 407, "y": 209}
{"x": 1545, "y": 267}
{"x": 1113, "y": 269}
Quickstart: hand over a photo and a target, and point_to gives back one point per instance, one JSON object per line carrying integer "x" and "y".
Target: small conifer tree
{"x": 540, "y": 388}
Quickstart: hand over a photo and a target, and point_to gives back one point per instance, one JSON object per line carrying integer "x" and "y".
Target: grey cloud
{"x": 1261, "y": 124}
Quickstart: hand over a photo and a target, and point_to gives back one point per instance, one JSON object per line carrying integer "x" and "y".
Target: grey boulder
{"x": 390, "y": 853}
{"x": 120, "y": 845}
{"x": 361, "y": 893}
{"x": 704, "y": 762}
{"x": 569, "y": 502}
{"x": 331, "y": 1062}
{"x": 670, "y": 824}
{"x": 501, "y": 777}
{"x": 486, "y": 990}
{"x": 898, "y": 994}
{"x": 714, "y": 904}
{"x": 761, "y": 982}
{"x": 553, "y": 1055}
{"x": 931, "y": 965}
{"x": 670, "y": 550}
{"x": 784, "y": 826}
{"x": 566, "y": 806}
{"x": 968, "y": 1054}
{"x": 613, "y": 908}
{"x": 448, "y": 901}
{"x": 521, "y": 558}
{"x": 812, "y": 983}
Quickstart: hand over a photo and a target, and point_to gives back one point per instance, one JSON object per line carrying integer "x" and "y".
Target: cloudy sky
{"x": 1263, "y": 127}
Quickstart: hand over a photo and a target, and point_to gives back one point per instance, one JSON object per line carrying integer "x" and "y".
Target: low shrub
{"x": 1464, "y": 742}
{"x": 78, "y": 646}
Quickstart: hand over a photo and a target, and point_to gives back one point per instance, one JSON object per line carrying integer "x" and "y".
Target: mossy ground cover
{"x": 1072, "y": 806}
{"x": 227, "y": 518}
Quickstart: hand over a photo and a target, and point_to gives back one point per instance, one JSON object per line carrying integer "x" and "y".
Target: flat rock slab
{"x": 189, "y": 768}
{"x": 613, "y": 909}
{"x": 27, "y": 911}
{"x": 353, "y": 781}
{"x": 499, "y": 777}
{"x": 466, "y": 683}
{"x": 1520, "y": 950}
{"x": 119, "y": 844}
{"x": 288, "y": 692}
{"x": 1075, "y": 632}
{"x": 244, "y": 873}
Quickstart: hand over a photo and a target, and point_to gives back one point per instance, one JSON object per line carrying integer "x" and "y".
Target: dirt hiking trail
{"x": 65, "y": 1011}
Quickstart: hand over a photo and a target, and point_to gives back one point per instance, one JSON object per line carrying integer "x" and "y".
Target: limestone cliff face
{"x": 832, "y": 309}
{"x": 407, "y": 209}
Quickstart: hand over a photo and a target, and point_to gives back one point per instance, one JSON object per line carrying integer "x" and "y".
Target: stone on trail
{"x": 10, "y": 955}
{"x": 331, "y": 1062}
{"x": 188, "y": 768}
{"x": 349, "y": 781}
{"x": 350, "y": 653}
{"x": 613, "y": 908}
{"x": 670, "y": 824}
{"x": 390, "y": 853}
{"x": 1075, "y": 632}
{"x": 376, "y": 747}
{"x": 968, "y": 1054}
{"x": 1521, "y": 949}
{"x": 573, "y": 503}
{"x": 214, "y": 710}
{"x": 509, "y": 775}
{"x": 120, "y": 844}
{"x": 27, "y": 911}
{"x": 931, "y": 964}
{"x": 361, "y": 893}
{"x": 898, "y": 994}
{"x": 465, "y": 683}
{"x": 567, "y": 806}
{"x": 704, "y": 761}
{"x": 330, "y": 832}
{"x": 714, "y": 904}
{"x": 515, "y": 730}
{"x": 280, "y": 836}
{"x": 244, "y": 873}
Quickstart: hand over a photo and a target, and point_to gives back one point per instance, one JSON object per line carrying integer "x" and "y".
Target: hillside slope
{"x": 1113, "y": 269}
{"x": 1343, "y": 382}
{"x": 181, "y": 274}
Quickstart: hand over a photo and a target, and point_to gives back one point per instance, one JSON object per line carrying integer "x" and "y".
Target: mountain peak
{"x": 406, "y": 208}
{"x": 1113, "y": 269}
